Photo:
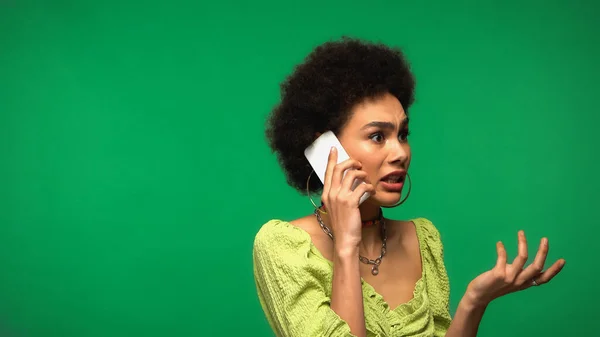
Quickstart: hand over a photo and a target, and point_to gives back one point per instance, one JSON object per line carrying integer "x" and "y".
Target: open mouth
{"x": 393, "y": 182}
{"x": 393, "y": 179}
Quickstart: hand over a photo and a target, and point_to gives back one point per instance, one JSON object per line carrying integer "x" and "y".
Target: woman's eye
{"x": 377, "y": 137}
{"x": 404, "y": 135}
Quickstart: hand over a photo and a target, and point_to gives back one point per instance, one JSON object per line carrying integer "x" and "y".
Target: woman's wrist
{"x": 345, "y": 251}
{"x": 472, "y": 302}
{"x": 346, "y": 244}
{"x": 467, "y": 318}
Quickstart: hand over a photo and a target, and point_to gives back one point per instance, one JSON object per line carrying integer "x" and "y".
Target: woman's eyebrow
{"x": 385, "y": 125}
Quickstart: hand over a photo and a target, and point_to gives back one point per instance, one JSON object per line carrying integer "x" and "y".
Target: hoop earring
{"x": 309, "y": 197}
{"x": 407, "y": 194}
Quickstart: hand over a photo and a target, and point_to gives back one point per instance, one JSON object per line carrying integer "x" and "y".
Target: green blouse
{"x": 293, "y": 282}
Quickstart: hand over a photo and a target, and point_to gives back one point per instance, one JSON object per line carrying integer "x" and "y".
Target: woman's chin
{"x": 387, "y": 200}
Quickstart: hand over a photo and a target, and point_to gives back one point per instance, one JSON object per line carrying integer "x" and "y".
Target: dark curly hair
{"x": 321, "y": 92}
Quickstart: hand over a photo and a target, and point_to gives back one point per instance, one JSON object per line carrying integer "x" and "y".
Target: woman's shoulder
{"x": 279, "y": 235}
{"x": 283, "y": 246}
{"x": 430, "y": 239}
{"x": 427, "y": 228}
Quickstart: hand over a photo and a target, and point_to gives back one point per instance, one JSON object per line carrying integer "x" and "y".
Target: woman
{"x": 345, "y": 269}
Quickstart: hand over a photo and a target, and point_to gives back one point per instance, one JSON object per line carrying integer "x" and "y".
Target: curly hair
{"x": 320, "y": 93}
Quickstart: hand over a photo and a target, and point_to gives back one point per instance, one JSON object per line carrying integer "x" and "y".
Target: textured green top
{"x": 294, "y": 280}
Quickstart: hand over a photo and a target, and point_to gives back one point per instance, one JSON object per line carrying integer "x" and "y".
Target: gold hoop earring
{"x": 308, "y": 193}
{"x": 407, "y": 194}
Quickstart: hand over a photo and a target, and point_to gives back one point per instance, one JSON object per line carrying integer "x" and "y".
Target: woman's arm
{"x": 502, "y": 280}
{"x": 346, "y": 293}
{"x": 466, "y": 319}
{"x": 342, "y": 208}
{"x": 290, "y": 287}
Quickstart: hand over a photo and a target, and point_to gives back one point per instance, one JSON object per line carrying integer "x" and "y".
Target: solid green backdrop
{"x": 135, "y": 173}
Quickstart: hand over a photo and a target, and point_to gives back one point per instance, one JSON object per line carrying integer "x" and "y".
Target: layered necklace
{"x": 380, "y": 220}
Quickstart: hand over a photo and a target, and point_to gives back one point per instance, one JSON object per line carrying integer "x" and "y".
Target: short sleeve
{"x": 438, "y": 284}
{"x": 290, "y": 286}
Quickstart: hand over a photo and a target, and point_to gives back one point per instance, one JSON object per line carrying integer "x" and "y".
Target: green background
{"x": 134, "y": 173}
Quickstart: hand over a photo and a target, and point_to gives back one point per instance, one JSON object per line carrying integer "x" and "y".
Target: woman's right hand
{"x": 342, "y": 202}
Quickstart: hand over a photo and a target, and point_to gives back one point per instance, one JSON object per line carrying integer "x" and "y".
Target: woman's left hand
{"x": 506, "y": 278}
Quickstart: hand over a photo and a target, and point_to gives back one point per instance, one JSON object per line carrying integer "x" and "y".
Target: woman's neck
{"x": 371, "y": 235}
{"x": 369, "y": 211}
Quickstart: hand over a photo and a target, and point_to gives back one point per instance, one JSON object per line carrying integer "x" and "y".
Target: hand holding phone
{"x": 344, "y": 188}
{"x": 318, "y": 153}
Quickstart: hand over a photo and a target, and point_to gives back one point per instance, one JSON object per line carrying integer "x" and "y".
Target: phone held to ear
{"x": 318, "y": 152}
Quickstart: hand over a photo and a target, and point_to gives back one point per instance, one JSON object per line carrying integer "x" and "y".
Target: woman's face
{"x": 377, "y": 136}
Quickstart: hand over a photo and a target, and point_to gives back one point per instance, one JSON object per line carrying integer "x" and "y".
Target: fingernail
{"x": 332, "y": 148}
{"x": 544, "y": 241}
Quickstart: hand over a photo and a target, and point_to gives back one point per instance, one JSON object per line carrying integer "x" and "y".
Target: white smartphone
{"x": 318, "y": 153}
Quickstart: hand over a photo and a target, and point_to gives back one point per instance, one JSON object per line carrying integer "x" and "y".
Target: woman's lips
{"x": 393, "y": 187}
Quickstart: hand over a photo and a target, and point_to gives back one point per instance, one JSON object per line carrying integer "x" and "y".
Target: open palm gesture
{"x": 508, "y": 278}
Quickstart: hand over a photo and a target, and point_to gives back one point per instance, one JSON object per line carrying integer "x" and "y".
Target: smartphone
{"x": 318, "y": 152}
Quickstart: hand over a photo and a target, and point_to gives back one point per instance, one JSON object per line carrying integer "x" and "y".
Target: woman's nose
{"x": 399, "y": 152}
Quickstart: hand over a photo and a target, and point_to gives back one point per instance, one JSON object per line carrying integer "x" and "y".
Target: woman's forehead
{"x": 384, "y": 109}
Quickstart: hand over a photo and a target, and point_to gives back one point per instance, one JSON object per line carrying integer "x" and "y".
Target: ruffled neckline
{"x": 403, "y": 309}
